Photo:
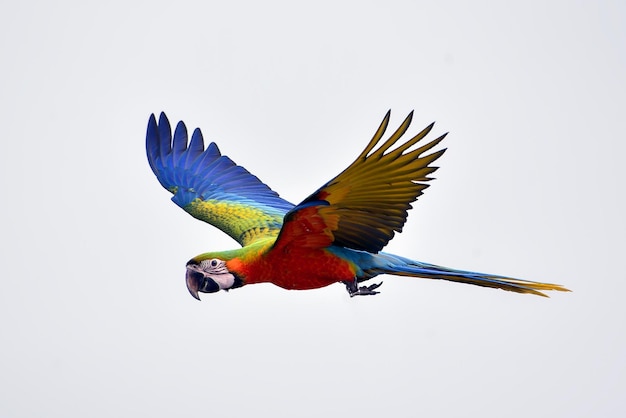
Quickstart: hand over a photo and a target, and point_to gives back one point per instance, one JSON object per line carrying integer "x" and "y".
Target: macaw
{"x": 334, "y": 235}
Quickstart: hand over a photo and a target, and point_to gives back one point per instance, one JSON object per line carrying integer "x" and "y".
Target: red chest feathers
{"x": 299, "y": 269}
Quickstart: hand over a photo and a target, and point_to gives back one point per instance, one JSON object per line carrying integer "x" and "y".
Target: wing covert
{"x": 210, "y": 186}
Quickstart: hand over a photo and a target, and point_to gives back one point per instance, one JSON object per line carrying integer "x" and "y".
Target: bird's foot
{"x": 354, "y": 289}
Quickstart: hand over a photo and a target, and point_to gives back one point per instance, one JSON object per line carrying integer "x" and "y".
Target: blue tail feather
{"x": 384, "y": 263}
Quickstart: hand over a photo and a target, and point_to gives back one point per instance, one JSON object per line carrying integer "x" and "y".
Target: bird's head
{"x": 209, "y": 274}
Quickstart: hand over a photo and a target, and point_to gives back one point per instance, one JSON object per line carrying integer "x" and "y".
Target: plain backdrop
{"x": 95, "y": 318}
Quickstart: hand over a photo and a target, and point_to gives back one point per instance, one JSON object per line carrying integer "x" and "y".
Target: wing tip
{"x": 152, "y": 130}
{"x": 163, "y": 119}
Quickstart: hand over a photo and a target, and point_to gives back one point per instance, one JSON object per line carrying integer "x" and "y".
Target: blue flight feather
{"x": 192, "y": 172}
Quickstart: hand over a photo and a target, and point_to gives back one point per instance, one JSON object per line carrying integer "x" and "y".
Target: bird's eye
{"x": 213, "y": 263}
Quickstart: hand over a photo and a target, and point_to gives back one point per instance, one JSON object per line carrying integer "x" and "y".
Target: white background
{"x": 94, "y": 314}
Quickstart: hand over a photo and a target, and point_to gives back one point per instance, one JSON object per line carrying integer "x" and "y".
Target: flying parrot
{"x": 334, "y": 235}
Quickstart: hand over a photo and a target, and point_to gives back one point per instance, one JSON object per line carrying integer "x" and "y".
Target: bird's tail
{"x": 404, "y": 267}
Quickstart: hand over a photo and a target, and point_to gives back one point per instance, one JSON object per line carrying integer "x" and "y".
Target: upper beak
{"x": 194, "y": 279}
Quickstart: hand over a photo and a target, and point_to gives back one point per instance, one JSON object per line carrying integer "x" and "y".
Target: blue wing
{"x": 210, "y": 186}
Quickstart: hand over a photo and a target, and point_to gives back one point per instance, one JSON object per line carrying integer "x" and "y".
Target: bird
{"x": 335, "y": 235}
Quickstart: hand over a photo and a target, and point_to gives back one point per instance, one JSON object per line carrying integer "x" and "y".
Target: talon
{"x": 374, "y": 286}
